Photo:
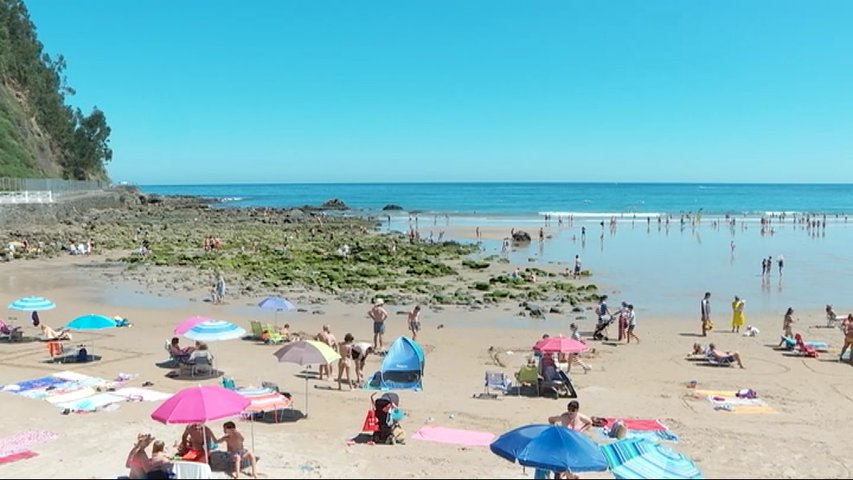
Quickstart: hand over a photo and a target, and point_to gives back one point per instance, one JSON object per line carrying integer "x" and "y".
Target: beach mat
{"x": 18, "y": 456}
{"x": 727, "y": 401}
{"x": 656, "y": 436}
{"x": 454, "y": 436}
{"x": 91, "y": 403}
{"x": 145, "y": 394}
{"x": 637, "y": 424}
{"x": 22, "y": 441}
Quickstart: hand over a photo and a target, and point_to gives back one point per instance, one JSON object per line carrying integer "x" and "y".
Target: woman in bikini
{"x": 572, "y": 418}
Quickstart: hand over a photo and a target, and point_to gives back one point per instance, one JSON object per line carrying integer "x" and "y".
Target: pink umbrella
{"x": 189, "y": 323}
{"x": 560, "y": 344}
{"x": 200, "y": 404}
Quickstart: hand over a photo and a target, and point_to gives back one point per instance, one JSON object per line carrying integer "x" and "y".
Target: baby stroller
{"x": 388, "y": 415}
{"x": 601, "y": 328}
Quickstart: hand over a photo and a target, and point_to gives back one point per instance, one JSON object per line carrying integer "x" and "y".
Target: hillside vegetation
{"x": 41, "y": 136}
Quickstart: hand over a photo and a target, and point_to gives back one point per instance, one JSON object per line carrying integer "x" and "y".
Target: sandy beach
{"x": 802, "y": 437}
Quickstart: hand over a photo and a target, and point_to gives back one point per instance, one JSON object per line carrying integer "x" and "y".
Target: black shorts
{"x": 356, "y": 355}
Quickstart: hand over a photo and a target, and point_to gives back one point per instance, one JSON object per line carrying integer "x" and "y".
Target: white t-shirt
{"x": 361, "y": 347}
{"x": 632, "y": 318}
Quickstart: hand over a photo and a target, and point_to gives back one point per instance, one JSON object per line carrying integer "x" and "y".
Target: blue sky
{"x": 446, "y": 90}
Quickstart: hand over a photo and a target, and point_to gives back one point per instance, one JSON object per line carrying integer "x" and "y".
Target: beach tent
{"x": 402, "y": 368}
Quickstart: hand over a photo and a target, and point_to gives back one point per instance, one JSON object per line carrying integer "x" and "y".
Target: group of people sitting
{"x": 192, "y": 447}
{"x": 715, "y": 355}
{"x": 189, "y": 355}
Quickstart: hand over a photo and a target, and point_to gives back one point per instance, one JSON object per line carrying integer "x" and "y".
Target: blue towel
{"x": 655, "y": 436}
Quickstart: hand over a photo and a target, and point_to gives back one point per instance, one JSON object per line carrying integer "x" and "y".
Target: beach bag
{"x": 82, "y": 355}
{"x": 371, "y": 423}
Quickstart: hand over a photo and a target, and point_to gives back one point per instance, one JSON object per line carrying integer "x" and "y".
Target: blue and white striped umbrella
{"x": 276, "y": 303}
{"x": 214, "y": 330}
{"x": 34, "y": 304}
{"x": 640, "y": 458}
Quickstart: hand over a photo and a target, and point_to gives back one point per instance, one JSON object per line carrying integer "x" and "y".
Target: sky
{"x": 445, "y": 90}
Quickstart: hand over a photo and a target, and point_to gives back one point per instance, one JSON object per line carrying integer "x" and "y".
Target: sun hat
{"x": 379, "y": 301}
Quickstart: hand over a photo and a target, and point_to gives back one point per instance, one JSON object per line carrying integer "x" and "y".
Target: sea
{"x": 659, "y": 246}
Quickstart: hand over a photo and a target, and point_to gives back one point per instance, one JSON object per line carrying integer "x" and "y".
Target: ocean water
{"x": 532, "y": 198}
{"x": 663, "y": 269}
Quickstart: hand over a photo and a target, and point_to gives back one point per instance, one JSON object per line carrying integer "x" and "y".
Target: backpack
{"x": 82, "y": 355}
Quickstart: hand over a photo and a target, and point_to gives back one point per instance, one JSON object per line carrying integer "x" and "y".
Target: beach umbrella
{"x": 560, "y": 344}
{"x": 640, "y": 458}
{"x": 277, "y": 304}
{"x": 550, "y": 447}
{"x": 263, "y": 400}
{"x": 188, "y": 323}
{"x": 91, "y": 322}
{"x": 34, "y": 304}
{"x": 214, "y": 330}
{"x": 306, "y": 352}
{"x": 200, "y": 404}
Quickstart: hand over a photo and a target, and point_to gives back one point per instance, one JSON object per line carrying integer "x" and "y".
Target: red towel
{"x": 18, "y": 456}
{"x": 635, "y": 424}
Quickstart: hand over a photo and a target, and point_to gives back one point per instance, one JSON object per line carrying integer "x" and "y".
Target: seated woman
{"x": 181, "y": 354}
{"x": 51, "y": 334}
{"x": 831, "y": 317}
{"x": 723, "y": 357}
{"x": 141, "y": 465}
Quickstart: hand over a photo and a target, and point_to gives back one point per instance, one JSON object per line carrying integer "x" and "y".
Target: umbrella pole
{"x": 306, "y": 396}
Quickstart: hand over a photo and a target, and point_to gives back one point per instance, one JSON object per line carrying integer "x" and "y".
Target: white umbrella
{"x": 306, "y": 352}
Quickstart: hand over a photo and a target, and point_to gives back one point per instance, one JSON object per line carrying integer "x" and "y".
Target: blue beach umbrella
{"x": 550, "y": 447}
{"x": 276, "y": 303}
{"x": 34, "y": 304}
{"x": 215, "y": 330}
{"x": 91, "y": 322}
{"x": 640, "y": 458}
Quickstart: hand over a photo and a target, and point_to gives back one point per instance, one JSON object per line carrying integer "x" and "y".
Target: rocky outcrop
{"x": 521, "y": 237}
{"x": 392, "y": 206}
{"x": 334, "y": 204}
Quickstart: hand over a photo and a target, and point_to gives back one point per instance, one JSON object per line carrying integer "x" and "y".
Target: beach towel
{"x": 656, "y": 436}
{"x": 143, "y": 394}
{"x": 38, "y": 383}
{"x": 727, "y": 401}
{"x": 20, "y": 442}
{"x": 18, "y": 456}
{"x": 71, "y": 396}
{"x": 91, "y": 403}
{"x": 637, "y": 424}
{"x": 451, "y": 435}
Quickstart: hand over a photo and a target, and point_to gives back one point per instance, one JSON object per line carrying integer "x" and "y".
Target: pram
{"x": 601, "y": 328}
{"x": 388, "y": 415}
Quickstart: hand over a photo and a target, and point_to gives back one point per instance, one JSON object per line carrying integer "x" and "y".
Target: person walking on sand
{"x": 705, "y": 309}
{"x": 415, "y": 321}
{"x": 378, "y": 315}
{"x": 346, "y": 361}
{"x": 236, "y": 450}
{"x": 847, "y": 328}
{"x": 632, "y": 324}
{"x": 738, "y": 318}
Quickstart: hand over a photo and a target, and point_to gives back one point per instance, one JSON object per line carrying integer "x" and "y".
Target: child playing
{"x": 234, "y": 441}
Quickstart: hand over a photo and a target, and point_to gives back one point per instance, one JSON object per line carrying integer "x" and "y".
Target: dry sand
{"x": 805, "y": 438}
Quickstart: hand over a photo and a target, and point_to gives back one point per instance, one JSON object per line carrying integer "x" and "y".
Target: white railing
{"x": 27, "y": 197}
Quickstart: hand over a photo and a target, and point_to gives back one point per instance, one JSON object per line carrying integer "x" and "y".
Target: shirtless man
{"x": 721, "y": 356}
{"x": 192, "y": 445}
{"x": 345, "y": 363}
{"x": 571, "y": 418}
{"x": 234, "y": 441}
{"x": 378, "y": 315}
{"x": 326, "y": 337}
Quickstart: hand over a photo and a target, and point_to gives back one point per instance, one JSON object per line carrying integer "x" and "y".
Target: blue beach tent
{"x": 402, "y": 368}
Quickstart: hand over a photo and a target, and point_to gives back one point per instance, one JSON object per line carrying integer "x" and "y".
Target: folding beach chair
{"x": 494, "y": 381}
